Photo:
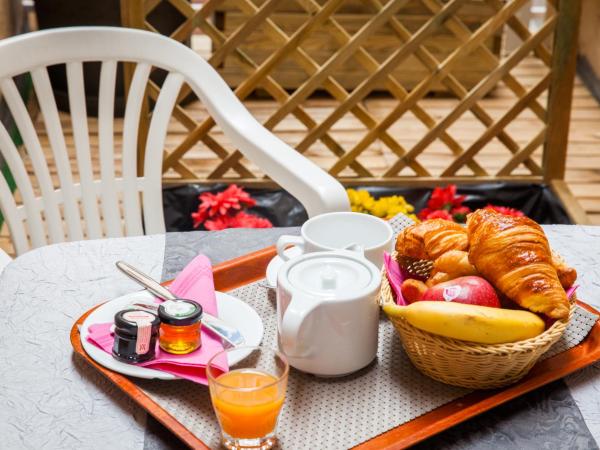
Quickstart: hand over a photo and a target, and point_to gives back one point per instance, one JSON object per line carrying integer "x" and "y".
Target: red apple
{"x": 470, "y": 290}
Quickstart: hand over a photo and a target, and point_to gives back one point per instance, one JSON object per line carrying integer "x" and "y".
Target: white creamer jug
{"x": 327, "y": 312}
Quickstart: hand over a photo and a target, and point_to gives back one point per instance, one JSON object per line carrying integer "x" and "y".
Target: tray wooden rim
{"x": 251, "y": 267}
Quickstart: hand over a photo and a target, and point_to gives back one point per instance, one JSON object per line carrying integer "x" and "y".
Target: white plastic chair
{"x": 98, "y": 199}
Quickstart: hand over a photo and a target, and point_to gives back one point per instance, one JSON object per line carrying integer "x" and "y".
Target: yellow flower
{"x": 352, "y": 196}
{"x": 380, "y": 208}
{"x": 384, "y": 207}
{"x": 360, "y": 201}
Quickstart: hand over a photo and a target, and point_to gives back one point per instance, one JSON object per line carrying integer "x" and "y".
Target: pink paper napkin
{"x": 195, "y": 282}
{"x": 395, "y": 275}
{"x": 571, "y": 291}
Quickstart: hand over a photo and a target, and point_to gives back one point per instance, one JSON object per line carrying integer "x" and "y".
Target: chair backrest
{"x": 116, "y": 204}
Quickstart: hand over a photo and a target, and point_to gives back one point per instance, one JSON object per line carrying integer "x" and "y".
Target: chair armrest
{"x": 318, "y": 191}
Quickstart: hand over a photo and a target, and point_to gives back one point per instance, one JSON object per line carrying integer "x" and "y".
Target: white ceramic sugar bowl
{"x": 327, "y": 312}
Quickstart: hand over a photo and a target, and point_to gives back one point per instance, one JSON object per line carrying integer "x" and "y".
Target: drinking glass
{"x": 248, "y": 399}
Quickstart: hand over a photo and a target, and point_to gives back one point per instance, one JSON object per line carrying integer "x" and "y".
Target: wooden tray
{"x": 250, "y": 268}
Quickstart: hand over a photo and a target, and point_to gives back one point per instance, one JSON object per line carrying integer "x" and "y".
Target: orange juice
{"x": 247, "y": 413}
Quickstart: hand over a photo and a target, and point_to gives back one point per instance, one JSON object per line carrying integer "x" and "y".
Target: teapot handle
{"x": 286, "y": 240}
{"x": 295, "y": 315}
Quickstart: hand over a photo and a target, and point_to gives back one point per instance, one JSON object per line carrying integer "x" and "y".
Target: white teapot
{"x": 327, "y": 312}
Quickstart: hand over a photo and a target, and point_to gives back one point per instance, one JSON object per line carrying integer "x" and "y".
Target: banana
{"x": 481, "y": 324}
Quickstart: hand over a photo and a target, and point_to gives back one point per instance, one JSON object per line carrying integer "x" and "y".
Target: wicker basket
{"x": 466, "y": 364}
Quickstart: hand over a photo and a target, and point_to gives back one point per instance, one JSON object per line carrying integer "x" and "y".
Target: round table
{"x": 51, "y": 399}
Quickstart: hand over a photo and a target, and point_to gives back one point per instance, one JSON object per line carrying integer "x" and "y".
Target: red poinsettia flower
{"x": 459, "y": 214}
{"x": 245, "y": 220}
{"x": 223, "y": 203}
{"x": 422, "y": 215}
{"x": 232, "y": 198}
{"x": 445, "y": 204}
{"x": 445, "y": 198}
{"x": 505, "y": 210}
{"x": 198, "y": 217}
{"x": 437, "y": 214}
{"x": 239, "y": 220}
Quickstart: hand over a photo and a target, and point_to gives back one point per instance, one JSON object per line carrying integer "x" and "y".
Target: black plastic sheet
{"x": 276, "y": 205}
{"x": 535, "y": 200}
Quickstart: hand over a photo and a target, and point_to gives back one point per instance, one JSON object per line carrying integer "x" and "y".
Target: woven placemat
{"x": 335, "y": 413}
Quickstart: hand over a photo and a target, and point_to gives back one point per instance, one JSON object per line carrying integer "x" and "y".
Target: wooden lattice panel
{"x": 380, "y": 44}
{"x": 401, "y": 139}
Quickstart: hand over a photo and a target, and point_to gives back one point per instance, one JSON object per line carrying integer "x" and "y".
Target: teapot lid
{"x": 334, "y": 274}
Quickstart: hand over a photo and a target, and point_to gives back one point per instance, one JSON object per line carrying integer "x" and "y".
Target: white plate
{"x": 231, "y": 309}
{"x": 277, "y": 262}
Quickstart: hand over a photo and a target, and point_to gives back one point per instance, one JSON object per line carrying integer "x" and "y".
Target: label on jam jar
{"x": 143, "y": 320}
{"x": 179, "y": 309}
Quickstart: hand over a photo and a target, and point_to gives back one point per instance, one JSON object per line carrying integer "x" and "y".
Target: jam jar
{"x": 180, "y": 326}
{"x": 135, "y": 335}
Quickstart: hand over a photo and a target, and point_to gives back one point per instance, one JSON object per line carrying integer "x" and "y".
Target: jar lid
{"x": 180, "y": 312}
{"x": 126, "y": 321}
{"x": 336, "y": 274}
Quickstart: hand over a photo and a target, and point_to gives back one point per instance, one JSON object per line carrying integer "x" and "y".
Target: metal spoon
{"x": 229, "y": 334}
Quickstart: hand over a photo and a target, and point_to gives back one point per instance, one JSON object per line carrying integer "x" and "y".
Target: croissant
{"x": 437, "y": 278}
{"x": 566, "y": 275}
{"x": 430, "y": 239}
{"x": 455, "y": 263}
{"x": 452, "y": 264}
{"x": 514, "y": 255}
